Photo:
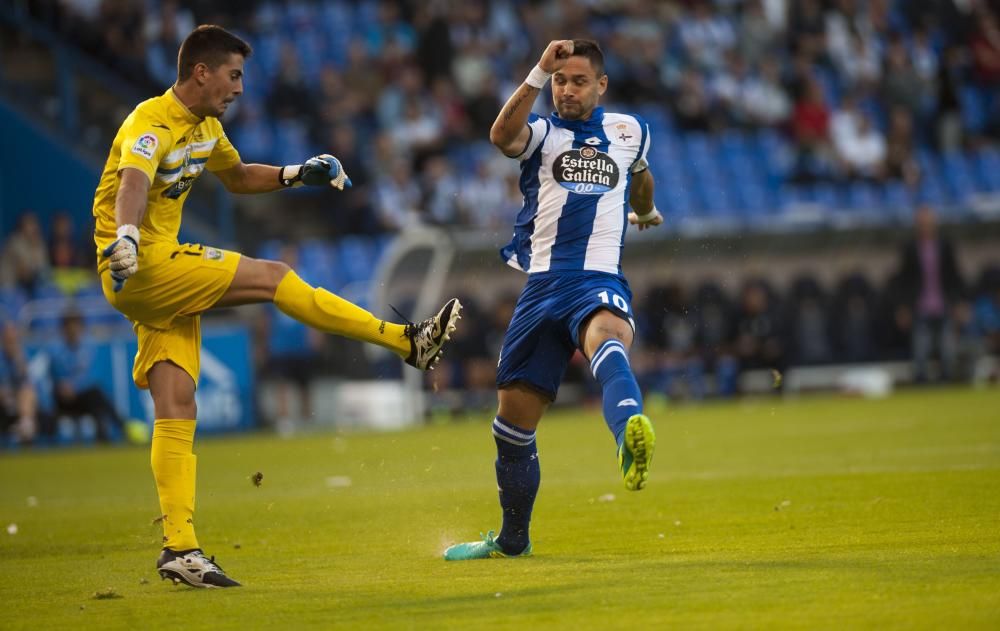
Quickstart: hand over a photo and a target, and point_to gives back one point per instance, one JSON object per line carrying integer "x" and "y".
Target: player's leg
{"x": 517, "y": 466}
{"x": 606, "y": 338}
{"x": 535, "y": 353}
{"x": 167, "y": 363}
{"x": 258, "y": 280}
{"x": 518, "y": 474}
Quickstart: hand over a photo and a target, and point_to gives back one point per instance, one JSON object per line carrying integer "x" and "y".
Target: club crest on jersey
{"x": 145, "y": 145}
{"x": 586, "y": 171}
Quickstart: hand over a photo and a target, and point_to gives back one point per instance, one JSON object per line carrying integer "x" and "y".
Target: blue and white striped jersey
{"x": 576, "y": 177}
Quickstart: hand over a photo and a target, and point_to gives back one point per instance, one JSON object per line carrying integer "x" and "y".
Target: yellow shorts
{"x": 165, "y": 299}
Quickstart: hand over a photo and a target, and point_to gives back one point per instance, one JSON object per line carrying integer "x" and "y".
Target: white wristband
{"x": 537, "y": 78}
{"x": 130, "y": 231}
{"x": 648, "y": 216}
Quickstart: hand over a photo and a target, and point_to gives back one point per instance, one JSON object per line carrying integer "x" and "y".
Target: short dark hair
{"x": 210, "y": 45}
{"x": 591, "y": 50}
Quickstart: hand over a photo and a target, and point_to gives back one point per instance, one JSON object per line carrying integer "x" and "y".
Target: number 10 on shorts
{"x": 615, "y": 299}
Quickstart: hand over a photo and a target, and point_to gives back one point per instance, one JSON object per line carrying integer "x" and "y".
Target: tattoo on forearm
{"x": 511, "y": 108}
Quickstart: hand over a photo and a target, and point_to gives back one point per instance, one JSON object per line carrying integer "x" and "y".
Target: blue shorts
{"x": 543, "y": 334}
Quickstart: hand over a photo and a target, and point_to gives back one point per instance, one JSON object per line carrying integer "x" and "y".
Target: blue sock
{"x": 518, "y": 477}
{"x": 622, "y": 397}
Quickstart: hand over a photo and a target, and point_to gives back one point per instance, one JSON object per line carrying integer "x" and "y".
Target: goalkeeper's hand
{"x": 124, "y": 255}
{"x": 648, "y": 220}
{"x": 318, "y": 171}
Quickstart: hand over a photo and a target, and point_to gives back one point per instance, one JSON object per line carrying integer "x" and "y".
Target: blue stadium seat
{"x": 270, "y": 249}
{"x": 987, "y": 167}
{"x": 863, "y": 196}
{"x": 355, "y": 260}
{"x": 898, "y": 200}
{"x": 974, "y": 113}
{"x": 317, "y": 263}
{"x": 958, "y": 175}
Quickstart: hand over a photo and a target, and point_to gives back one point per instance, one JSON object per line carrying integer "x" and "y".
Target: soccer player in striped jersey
{"x": 164, "y": 286}
{"x": 582, "y": 169}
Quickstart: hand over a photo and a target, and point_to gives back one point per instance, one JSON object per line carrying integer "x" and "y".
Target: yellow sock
{"x": 174, "y": 469}
{"x": 327, "y": 312}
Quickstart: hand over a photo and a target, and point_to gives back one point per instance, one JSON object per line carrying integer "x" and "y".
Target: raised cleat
{"x": 428, "y": 337}
{"x": 488, "y": 548}
{"x": 193, "y": 568}
{"x": 636, "y": 452}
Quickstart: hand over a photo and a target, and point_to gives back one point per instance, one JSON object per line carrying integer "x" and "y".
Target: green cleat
{"x": 636, "y": 452}
{"x": 488, "y": 548}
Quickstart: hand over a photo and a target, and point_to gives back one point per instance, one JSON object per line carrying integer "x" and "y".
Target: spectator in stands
{"x": 901, "y": 85}
{"x": 75, "y": 388}
{"x": 933, "y": 289}
{"x": 757, "y": 331}
{"x": 19, "y": 418}
{"x": 758, "y": 36}
{"x": 949, "y": 108}
{"x": 986, "y": 64}
{"x": 764, "y": 99}
{"x": 860, "y": 147}
{"x": 65, "y": 250}
{"x": 440, "y": 192}
{"x": 690, "y": 103}
{"x": 810, "y": 125}
{"x": 397, "y": 196}
{"x": 291, "y": 96}
{"x": 705, "y": 36}
{"x": 163, "y": 32}
{"x": 900, "y": 162}
{"x": 26, "y": 257}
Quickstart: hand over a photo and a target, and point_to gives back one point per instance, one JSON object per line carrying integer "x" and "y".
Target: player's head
{"x": 211, "y": 60}
{"x": 578, "y": 85}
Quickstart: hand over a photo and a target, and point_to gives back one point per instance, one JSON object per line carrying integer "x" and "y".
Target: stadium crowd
{"x": 754, "y": 105}
{"x": 694, "y": 341}
{"x": 768, "y": 102}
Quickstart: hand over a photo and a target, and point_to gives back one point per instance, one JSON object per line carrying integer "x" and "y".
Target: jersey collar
{"x": 178, "y": 109}
{"x": 595, "y": 121}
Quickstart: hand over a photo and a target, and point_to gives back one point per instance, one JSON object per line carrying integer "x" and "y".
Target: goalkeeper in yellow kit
{"x": 163, "y": 286}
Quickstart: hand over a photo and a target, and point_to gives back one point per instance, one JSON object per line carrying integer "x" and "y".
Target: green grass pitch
{"x": 811, "y": 513}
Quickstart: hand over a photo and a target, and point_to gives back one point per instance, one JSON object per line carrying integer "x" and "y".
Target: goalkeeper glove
{"x": 124, "y": 254}
{"x": 648, "y": 220}
{"x": 318, "y": 171}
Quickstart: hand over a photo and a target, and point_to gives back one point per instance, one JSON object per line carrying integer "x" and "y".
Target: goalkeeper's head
{"x": 579, "y": 84}
{"x": 210, "y": 64}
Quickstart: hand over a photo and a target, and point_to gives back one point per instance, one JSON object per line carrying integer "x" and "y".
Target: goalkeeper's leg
{"x": 174, "y": 470}
{"x": 258, "y": 281}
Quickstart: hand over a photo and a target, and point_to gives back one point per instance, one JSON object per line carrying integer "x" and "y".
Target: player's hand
{"x": 650, "y": 219}
{"x": 555, "y": 55}
{"x": 124, "y": 255}
{"x": 319, "y": 171}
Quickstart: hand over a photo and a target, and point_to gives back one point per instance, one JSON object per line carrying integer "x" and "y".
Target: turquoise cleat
{"x": 636, "y": 452}
{"x": 488, "y": 548}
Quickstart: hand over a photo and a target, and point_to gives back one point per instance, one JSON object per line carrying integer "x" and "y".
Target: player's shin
{"x": 622, "y": 397}
{"x": 327, "y": 312}
{"x": 518, "y": 478}
{"x": 174, "y": 469}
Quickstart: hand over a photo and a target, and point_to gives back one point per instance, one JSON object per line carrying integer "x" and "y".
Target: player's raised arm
{"x": 510, "y": 131}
